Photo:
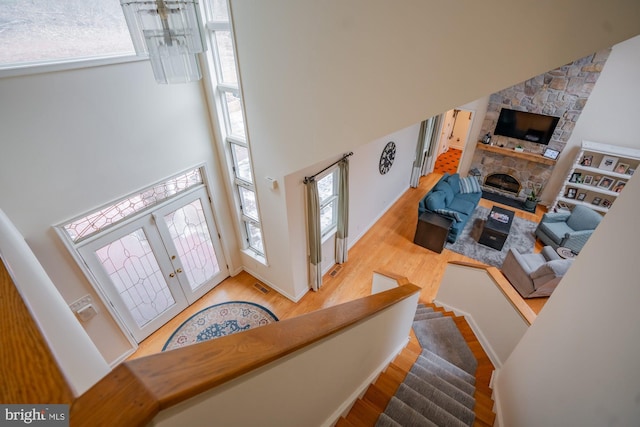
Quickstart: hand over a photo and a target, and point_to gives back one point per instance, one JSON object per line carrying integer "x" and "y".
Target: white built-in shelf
{"x": 597, "y": 198}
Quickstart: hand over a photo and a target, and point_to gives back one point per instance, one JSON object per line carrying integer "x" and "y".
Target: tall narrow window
{"x": 230, "y": 113}
{"x": 328, "y": 195}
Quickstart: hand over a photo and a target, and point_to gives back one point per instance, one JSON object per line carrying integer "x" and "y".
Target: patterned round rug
{"x": 219, "y": 320}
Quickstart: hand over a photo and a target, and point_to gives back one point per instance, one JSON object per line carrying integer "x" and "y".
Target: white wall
{"x": 323, "y": 78}
{"x": 75, "y": 140}
{"x": 76, "y": 355}
{"x": 471, "y": 292}
{"x": 370, "y": 195}
{"x": 577, "y": 364}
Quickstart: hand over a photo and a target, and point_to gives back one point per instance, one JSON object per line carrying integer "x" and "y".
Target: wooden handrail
{"x": 138, "y": 389}
{"x": 514, "y": 298}
{"x": 29, "y": 373}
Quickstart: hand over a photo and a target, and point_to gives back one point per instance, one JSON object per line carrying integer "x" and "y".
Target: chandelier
{"x": 170, "y": 33}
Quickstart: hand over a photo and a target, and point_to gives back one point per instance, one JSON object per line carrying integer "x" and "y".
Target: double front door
{"x": 154, "y": 266}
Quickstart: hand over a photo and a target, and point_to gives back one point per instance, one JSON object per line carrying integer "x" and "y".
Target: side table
{"x": 565, "y": 253}
{"x": 432, "y": 231}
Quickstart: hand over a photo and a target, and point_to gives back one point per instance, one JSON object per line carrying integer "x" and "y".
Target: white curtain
{"x": 315, "y": 242}
{"x": 343, "y": 212}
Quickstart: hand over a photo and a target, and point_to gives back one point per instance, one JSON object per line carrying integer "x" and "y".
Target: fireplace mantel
{"x": 538, "y": 158}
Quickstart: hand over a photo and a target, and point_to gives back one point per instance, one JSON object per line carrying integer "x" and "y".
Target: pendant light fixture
{"x": 170, "y": 33}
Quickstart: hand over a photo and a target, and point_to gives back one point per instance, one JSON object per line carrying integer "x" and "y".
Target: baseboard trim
{"x": 486, "y": 345}
{"x": 344, "y": 409}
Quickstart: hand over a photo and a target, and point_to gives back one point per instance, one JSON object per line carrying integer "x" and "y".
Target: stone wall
{"x": 562, "y": 92}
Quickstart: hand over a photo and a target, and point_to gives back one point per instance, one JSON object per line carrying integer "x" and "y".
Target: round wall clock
{"x": 387, "y": 157}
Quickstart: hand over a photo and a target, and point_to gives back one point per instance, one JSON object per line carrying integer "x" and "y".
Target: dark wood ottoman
{"x": 496, "y": 228}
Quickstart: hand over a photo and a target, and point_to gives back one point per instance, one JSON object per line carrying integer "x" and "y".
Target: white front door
{"x": 188, "y": 232}
{"x": 152, "y": 267}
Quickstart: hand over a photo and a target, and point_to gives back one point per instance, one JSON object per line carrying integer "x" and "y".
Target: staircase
{"x": 421, "y": 388}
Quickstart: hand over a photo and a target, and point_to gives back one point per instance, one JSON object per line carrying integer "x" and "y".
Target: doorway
{"x": 454, "y": 133}
{"x": 153, "y": 266}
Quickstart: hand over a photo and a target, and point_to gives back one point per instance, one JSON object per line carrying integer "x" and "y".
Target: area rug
{"x": 521, "y": 237}
{"x": 219, "y": 320}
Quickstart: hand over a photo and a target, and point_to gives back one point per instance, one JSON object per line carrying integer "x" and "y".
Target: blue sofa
{"x": 455, "y": 198}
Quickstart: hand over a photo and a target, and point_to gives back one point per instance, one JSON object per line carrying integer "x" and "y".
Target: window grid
{"x": 328, "y": 194}
{"x": 231, "y": 115}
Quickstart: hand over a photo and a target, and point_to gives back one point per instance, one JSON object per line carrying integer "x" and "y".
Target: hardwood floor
{"x": 387, "y": 246}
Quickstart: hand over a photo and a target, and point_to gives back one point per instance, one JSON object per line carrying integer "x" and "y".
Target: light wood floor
{"x": 387, "y": 246}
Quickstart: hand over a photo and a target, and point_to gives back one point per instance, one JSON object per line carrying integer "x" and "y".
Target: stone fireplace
{"x": 504, "y": 182}
{"x": 563, "y": 93}
{"x": 510, "y": 173}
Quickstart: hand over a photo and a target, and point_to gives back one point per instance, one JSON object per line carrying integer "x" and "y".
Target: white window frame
{"x": 218, "y": 90}
{"x": 13, "y": 69}
{"x": 333, "y": 198}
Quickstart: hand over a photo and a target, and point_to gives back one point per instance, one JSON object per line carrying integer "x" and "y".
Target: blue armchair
{"x": 568, "y": 229}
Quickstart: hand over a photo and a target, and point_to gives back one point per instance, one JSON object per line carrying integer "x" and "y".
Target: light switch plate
{"x": 78, "y": 304}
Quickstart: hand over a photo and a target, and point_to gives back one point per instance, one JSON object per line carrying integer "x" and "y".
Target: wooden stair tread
{"x": 484, "y": 414}
{"x": 405, "y": 360}
{"x": 483, "y": 398}
{"x": 363, "y": 414}
{"x": 378, "y": 397}
{"x": 343, "y": 422}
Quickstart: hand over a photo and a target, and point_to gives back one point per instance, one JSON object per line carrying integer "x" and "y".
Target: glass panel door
{"x": 136, "y": 276}
{"x": 154, "y": 266}
{"x": 187, "y": 227}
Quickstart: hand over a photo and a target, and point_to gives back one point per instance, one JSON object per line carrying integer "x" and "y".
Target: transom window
{"x": 99, "y": 220}
{"x": 39, "y": 31}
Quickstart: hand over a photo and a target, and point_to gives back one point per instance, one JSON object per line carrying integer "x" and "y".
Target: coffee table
{"x": 496, "y": 228}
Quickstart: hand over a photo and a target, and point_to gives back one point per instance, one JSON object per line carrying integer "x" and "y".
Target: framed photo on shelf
{"x": 605, "y": 182}
{"x": 562, "y": 205}
{"x": 551, "y": 154}
{"x": 588, "y": 179}
{"x": 606, "y": 203}
{"x": 596, "y": 201}
{"x": 581, "y": 196}
{"x": 630, "y": 171}
{"x": 571, "y": 193}
{"x": 619, "y": 186}
{"x": 608, "y": 163}
{"x": 586, "y": 160}
{"x": 576, "y": 177}
{"x": 621, "y": 168}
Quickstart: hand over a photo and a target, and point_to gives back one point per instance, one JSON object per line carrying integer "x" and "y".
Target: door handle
{"x": 179, "y": 270}
{"x": 172, "y": 275}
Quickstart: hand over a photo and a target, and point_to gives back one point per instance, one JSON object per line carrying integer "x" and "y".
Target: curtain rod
{"x": 308, "y": 179}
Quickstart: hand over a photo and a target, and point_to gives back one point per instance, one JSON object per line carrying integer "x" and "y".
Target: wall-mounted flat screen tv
{"x": 530, "y": 127}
